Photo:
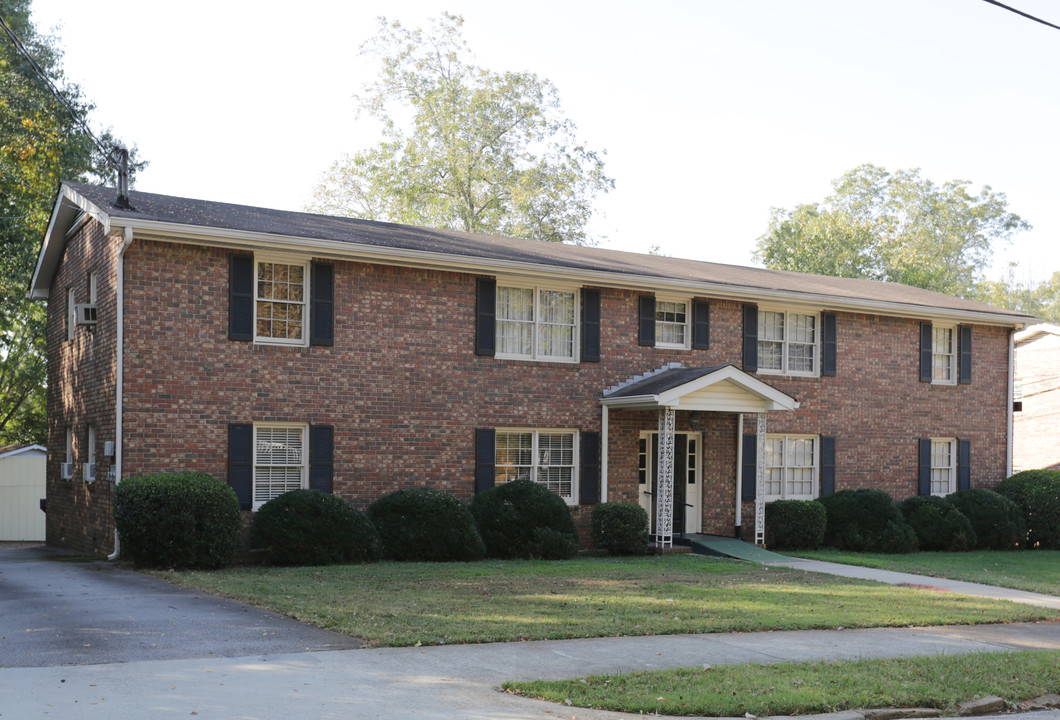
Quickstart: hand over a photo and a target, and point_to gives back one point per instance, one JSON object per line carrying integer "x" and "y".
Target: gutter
{"x": 1011, "y": 398}
{"x": 119, "y": 371}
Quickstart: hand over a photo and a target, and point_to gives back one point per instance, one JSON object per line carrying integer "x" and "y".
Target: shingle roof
{"x": 242, "y": 218}
{"x": 665, "y": 379}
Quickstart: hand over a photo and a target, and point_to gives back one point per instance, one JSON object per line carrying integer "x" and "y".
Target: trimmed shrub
{"x": 997, "y": 521}
{"x": 514, "y": 519}
{"x": 795, "y": 524}
{"x": 426, "y": 524}
{"x": 177, "y": 520}
{"x": 866, "y": 520}
{"x": 620, "y": 528}
{"x": 309, "y": 527}
{"x": 938, "y": 524}
{"x": 1037, "y": 494}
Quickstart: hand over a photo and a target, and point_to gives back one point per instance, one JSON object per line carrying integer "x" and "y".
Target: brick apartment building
{"x": 279, "y": 350}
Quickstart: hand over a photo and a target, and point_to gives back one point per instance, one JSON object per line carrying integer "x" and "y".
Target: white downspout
{"x": 603, "y": 455}
{"x": 120, "y": 371}
{"x": 1011, "y": 398}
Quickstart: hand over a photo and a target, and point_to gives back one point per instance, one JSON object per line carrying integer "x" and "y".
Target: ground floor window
{"x": 791, "y": 467}
{"x": 280, "y": 460}
{"x": 943, "y": 466}
{"x": 544, "y": 456}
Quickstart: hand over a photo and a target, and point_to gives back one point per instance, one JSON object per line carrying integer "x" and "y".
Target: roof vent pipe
{"x": 121, "y": 155}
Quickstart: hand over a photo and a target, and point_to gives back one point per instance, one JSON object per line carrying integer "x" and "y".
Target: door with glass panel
{"x": 687, "y": 508}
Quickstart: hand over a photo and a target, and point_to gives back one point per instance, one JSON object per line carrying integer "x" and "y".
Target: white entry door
{"x": 688, "y": 508}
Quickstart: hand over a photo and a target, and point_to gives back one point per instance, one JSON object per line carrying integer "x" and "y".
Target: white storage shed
{"x": 22, "y": 487}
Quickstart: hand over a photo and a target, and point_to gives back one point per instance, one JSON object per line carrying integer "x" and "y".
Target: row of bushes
{"x": 193, "y": 520}
{"x": 1023, "y": 512}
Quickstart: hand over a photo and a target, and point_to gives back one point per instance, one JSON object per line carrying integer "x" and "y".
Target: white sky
{"x": 710, "y": 112}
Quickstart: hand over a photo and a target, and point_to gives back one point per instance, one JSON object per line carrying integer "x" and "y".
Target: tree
{"x": 463, "y": 147}
{"x": 1040, "y": 300}
{"x": 896, "y": 227}
{"x": 42, "y": 141}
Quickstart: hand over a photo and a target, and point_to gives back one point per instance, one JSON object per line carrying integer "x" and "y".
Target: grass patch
{"x": 1032, "y": 570}
{"x": 810, "y": 687}
{"x": 395, "y": 604}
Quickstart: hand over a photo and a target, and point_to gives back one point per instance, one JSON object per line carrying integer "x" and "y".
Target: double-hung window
{"x": 787, "y": 343}
{"x": 280, "y": 460}
{"x": 943, "y": 355}
{"x": 280, "y": 308}
{"x": 537, "y": 323}
{"x": 943, "y": 466}
{"x": 671, "y": 324}
{"x": 791, "y": 467}
{"x": 544, "y": 456}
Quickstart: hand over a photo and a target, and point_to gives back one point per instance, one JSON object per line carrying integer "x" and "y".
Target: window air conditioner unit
{"x": 66, "y": 471}
{"x": 86, "y": 313}
{"x": 89, "y": 470}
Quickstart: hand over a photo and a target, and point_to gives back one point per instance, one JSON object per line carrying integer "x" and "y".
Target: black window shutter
{"x": 924, "y": 476}
{"x": 646, "y": 316}
{"x": 750, "y": 338}
{"x": 240, "y": 297}
{"x": 926, "y": 341}
{"x": 589, "y": 472}
{"x": 485, "y": 454}
{"x": 964, "y": 358}
{"x": 241, "y": 462}
{"x": 828, "y": 344}
{"x": 750, "y": 466}
{"x": 827, "y": 465}
{"x": 964, "y": 464}
{"x": 321, "y": 458}
{"x": 486, "y": 317}
{"x": 590, "y": 325}
{"x": 700, "y": 325}
{"x": 322, "y": 304}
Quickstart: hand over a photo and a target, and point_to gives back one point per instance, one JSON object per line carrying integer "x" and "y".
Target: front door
{"x": 687, "y": 510}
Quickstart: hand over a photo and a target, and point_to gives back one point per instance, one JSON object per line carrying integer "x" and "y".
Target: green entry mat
{"x": 731, "y": 547}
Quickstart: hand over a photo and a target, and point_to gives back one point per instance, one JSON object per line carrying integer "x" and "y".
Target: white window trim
{"x": 92, "y": 282}
{"x": 816, "y": 492}
{"x": 788, "y": 312}
{"x": 301, "y": 261}
{"x": 304, "y": 427}
{"x": 576, "y": 455}
{"x": 687, "y": 344}
{"x": 953, "y": 354}
{"x": 91, "y": 443}
{"x": 537, "y": 287}
{"x": 71, "y": 313}
{"x": 951, "y": 468}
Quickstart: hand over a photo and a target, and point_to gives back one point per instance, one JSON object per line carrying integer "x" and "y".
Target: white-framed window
{"x": 548, "y": 457}
{"x": 672, "y": 323}
{"x": 92, "y": 443}
{"x": 537, "y": 323}
{"x": 92, "y": 293}
{"x": 791, "y": 467}
{"x": 943, "y": 355}
{"x": 943, "y": 466}
{"x": 280, "y": 460}
{"x": 67, "y": 470}
{"x": 281, "y": 308}
{"x": 71, "y": 314}
{"x": 788, "y": 343}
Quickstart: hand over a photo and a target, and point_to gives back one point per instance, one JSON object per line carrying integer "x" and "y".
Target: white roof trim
{"x": 774, "y": 399}
{"x": 1033, "y": 331}
{"x": 22, "y": 450}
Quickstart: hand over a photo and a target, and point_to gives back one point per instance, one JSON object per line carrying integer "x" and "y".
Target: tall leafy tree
{"x": 1040, "y": 299}
{"x": 464, "y": 147}
{"x": 43, "y": 141}
{"x": 898, "y": 227}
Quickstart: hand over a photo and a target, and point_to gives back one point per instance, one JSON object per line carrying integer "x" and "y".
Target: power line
{"x": 1020, "y": 12}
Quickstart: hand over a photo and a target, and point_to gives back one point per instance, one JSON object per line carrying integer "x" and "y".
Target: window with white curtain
{"x": 671, "y": 324}
{"x": 943, "y": 466}
{"x": 536, "y": 323}
{"x": 280, "y": 460}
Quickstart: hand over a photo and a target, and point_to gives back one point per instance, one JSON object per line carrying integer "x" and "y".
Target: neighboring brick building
{"x": 280, "y": 350}
{"x": 1036, "y": 420}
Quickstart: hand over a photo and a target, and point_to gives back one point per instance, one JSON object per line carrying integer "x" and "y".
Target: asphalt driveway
{"x": 62, "y": 612}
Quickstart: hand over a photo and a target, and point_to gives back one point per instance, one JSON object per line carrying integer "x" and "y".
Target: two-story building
{"x": 281, "y": 350}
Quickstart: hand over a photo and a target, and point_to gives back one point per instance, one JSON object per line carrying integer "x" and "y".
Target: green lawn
{"x": 1033, "y": 570}
{"x": 810, "y": 687}
{"x": 441, "y": 603}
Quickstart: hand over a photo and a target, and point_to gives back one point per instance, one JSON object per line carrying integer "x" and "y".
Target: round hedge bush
{"x": 177, "y": 520}
{"x": 523, "y": 519}
{"x": 1037, "y": 494}
{"x": 426, "y": 524}
{"x": 997, "y": 521}
{"x": 620, "y": 528}
{"x": 309, "y": 527}
{"x": 795, "y": 524}
{"x": 938, "y": 524}
{"x": 866, "y": 520}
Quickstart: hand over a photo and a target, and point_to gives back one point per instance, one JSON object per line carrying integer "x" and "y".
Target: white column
{"x": 664, "y": 493}
{"x": 603, "y": 456}
{"x": 760, "y": 481}
{"x": 739, "y": 469}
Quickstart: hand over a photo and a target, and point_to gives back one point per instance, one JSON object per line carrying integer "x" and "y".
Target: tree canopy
{"x": 898, "y": 227}
{"x": 464, "y": 147}
{"x": 41, "y": 144}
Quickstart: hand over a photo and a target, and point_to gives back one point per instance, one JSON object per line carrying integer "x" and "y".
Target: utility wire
{"x": 1020, "y": 12}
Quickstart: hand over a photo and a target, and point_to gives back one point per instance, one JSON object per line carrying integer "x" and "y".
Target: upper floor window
{"x": 943, "y": 355}
{"x": 280, "y": 302}
{"x": 536, "y": 323}
{"x": 71, "y": 314}
{"x": 671, "y": 324}
{"x": 787, "y": 343}
{"x": 544, "y": 456}
{"x": 791, "y": 467}
{"x": 943, "y": 466}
